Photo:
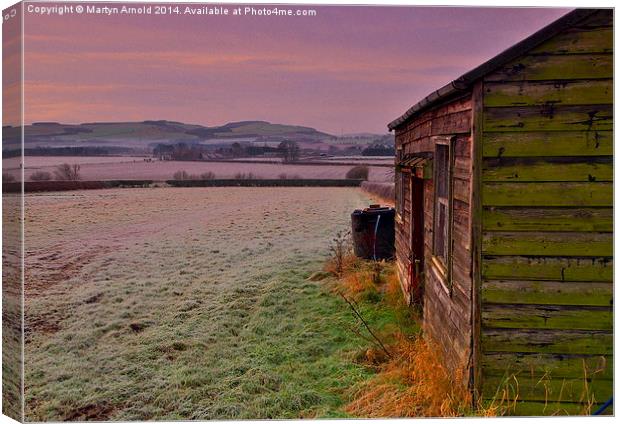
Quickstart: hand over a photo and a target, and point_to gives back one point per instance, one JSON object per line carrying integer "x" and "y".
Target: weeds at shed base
{"x": 413, "y": 383}
{"x": 410, "y": 379}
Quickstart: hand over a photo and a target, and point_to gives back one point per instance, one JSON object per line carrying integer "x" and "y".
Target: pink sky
{"x": 349, "y": 69}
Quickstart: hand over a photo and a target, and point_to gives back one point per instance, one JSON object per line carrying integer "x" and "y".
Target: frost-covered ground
{"x": 188, "y": 303}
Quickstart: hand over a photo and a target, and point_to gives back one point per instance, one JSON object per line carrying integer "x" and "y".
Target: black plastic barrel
{"x": 372, "y": 230}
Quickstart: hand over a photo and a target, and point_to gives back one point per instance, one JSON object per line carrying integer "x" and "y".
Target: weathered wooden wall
{"x": 547, "y": 219}
{"x": 403, "y": 234}
{"x": 447, "y": 313}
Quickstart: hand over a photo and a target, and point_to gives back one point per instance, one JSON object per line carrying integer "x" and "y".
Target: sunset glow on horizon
{"x": 348, "y": 69}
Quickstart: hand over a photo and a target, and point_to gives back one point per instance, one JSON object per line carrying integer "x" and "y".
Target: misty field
{"x": 122, "y": 167}
{"x": 192, "y": 303}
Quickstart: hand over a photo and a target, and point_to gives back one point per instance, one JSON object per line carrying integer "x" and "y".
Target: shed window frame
{"x": 443, "y": 170}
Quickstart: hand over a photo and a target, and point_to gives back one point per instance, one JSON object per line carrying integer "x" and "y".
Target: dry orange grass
{"x": 358, "y": 277}
{"x": 342, "y": 266}
{"x": 381, "y": 191}
{"x": 357, "y": 283}
{"x": 414, "y": 383}
{"x": 393, "y": 291}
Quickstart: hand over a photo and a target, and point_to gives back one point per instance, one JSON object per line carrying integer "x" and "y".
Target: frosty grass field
{"x": 193, "y": 303}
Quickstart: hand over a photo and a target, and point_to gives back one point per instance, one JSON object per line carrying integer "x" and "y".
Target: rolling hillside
{"x": 136, "y": 135}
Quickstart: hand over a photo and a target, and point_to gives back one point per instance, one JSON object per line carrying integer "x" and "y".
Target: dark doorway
{"x": 417, "y": 240}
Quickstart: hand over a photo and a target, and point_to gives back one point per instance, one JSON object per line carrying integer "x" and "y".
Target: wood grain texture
{"x": 547, "y": 317}
{"x": 579, "y": 41}
{"x": 547, "y": 269}
{"x": 571, "y": 194}
{"x": 551, "y": 390}
{"x": 549, "y": 364}
{"x": 420, "y": 126}
{"x": 549, "y": 117}
{"x": 548, "y": 244}
{"x": 557, "y": 169}
{"x": 548, "y": 219}
{"x": 540, "y": 93}
{"x": 547, "y": 292}
{"x": 555, "y": 67}
{"x": 591, "y": 342}
{"x": 551, "y": 143}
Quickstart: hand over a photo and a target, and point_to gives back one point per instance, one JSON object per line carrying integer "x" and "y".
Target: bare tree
{"x": 236, "y": 150}
{"x": 340, "y": 247}
{"x": 67, "y": 172}
{"x": 207, "y": 175}
{"x": 181, "y": 175}
{"x": 289, "y": 150}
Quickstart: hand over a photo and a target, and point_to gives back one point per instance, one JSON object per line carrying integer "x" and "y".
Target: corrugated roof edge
{"x": 465, "y": 81}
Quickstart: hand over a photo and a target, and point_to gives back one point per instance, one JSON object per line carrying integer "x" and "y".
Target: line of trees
{"x": 287, "y": 150}
{"x": 379, "y": 150}
{"x": 179, "y": 151}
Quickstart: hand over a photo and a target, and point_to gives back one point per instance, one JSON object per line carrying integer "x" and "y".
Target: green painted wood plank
{"x": 555, "y": 68}
{"x": 542, "y": 269}
{"x": 586, "y": 169}
{"x": 547, "y": 243}
{"x": 548, "y": 219}
{"x": 551, "y": 143}
{"x": 547, "y": 194}
{"x": 596, "y": 40}
{"x": 571, "y": 341}
{"x": 547, "y": 292}
{"x": 536, "y": 409}
{"x": 550, "y": 390}
{"x": 545, "y": 364}
{"x": 549, "y": 117}
{"x": 537, "y": 93}
{"x": 547, "y": 317}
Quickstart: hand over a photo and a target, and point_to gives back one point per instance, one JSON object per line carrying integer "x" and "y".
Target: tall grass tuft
{"x": 414, "y": 383}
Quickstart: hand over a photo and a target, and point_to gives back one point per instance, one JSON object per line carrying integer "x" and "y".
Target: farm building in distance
{"x": 504, "y": 225}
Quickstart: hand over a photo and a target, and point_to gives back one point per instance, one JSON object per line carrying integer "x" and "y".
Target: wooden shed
{"x": 504, "y": 224}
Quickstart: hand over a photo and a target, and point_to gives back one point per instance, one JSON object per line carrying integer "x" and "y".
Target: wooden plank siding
{"x": 547, "y": 222}
{"x": 447, "y": 312}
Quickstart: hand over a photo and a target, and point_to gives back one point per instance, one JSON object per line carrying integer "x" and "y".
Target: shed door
{"x": 417, "y": 239}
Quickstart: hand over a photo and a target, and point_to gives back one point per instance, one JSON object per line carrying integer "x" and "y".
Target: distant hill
{"x": 142, "y": 134}
{"x": 248, "y": 129}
